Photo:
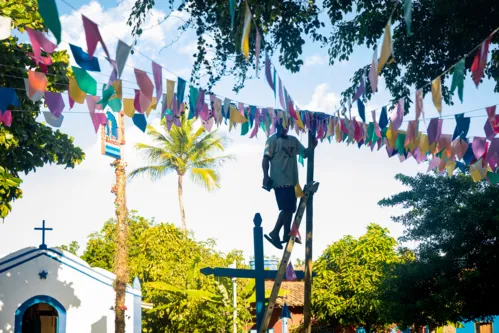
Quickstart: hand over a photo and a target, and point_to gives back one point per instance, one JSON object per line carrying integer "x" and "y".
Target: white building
{"x": 46, "y": 290}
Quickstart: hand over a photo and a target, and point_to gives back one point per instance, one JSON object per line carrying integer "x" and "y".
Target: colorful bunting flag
{"x": 436, "y": 94}
{"x": 462, "y": 126}
{"x": 232, "y": 10}
{"x": 37, "y": 96}
{"x": 398, "y": 116}
{"x": 290, "y": 272}
{"x": 85, "y": 81}
{"x": 383, "y": 118}
{"x": 50, "y": 15}
{"x": 128, "y": 107}
{"x": 157, "y": 72}
{"x": 373, "y": 72}
{"x": 6, "y": 118}
{"x": 193, "y": 97}
{"x": 246, "y": 31}
{"x": 180, "y": 91}
{"x": 258, "y": 42}
{"x": 268, "y": 73}
{"x": 93, "y": 37}
{"x": 75, "y": 93}
{"x": 480, "y": 61}
{"x": 83, "y": 59}
{"x": 37, "y": 82}
{"x": 140, "y": 121}
{"x": 458, "y": 79}
{"x": 146, "y": 89}
{"x": 5, "y": 23}
{"x": 361, "y": 90}
{"x": 386, "y": 49}
{"x": 53, "y": 120}
{"x": 408, "y": 15}
{"x": 98, "y": 119}
{"x": 122, "y": 52}
{"x": 55, "y": 103}
{"x": 39, "y": 42}
{"x": 361, "y": 109}
{"x": 434, "y": 130}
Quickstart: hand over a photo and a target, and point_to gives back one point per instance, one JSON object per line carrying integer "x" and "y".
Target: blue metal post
{"x": 259, "y": 268}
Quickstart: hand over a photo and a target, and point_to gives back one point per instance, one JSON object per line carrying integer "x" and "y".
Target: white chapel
{"x": 47, "y": 290}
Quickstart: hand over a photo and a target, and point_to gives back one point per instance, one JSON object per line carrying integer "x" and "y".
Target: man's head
{"x": 281, "y": 131}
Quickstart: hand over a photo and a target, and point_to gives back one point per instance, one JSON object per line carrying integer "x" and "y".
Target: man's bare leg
{"x": 278, "y": 225}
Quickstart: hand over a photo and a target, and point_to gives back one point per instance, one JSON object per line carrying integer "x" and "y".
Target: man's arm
{"x": 305, "y": 150}
{"x": 265, "y": 168}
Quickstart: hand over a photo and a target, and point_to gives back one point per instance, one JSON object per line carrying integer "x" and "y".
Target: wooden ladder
{"x": 309, "y": 189}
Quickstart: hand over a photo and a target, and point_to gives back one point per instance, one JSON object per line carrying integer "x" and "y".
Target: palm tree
{"x": 184, "y": 149}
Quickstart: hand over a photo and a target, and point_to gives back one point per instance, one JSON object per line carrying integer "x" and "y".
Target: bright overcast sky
{"x": 77, "y": 202}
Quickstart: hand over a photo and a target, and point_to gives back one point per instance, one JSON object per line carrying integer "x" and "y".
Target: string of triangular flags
{"x": 447, "y": 152}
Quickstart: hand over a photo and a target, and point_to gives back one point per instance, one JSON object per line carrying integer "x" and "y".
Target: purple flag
{"x": 290, "y": 272}
{"x": 478, "y": 146}
{"x": 55, "y": 103}
{"x": 398, "y": 115}
{"x": 158, "y": 79}
{"x": 434, "y": 130}
{"x": 93, "y": 36}
{"x": 268, "y": 72}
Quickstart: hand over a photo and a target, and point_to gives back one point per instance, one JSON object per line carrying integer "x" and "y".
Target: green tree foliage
{"x": 28, "y": 144}
{"x": 443, "y": 32}
{"x": 455, "y": 223}
{"x": 349, "y": 275}
{"x": 168, "y": 265}
{"x": 184, "y": 149}
{"x": 282, "y": 24}
{"x": 72, "y": 248}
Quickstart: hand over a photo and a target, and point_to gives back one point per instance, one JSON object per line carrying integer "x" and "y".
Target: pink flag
{"x": 444, "y": 142}
{"x": 435, "y": 161}
{"x": 39, "y": 41}
{"x": 398, "y": 115}
{"x": 294, "y": 231}
{"x": 412, "y": 130}
{"x": 361, "y": 89}
{"x": 71, "y": 101}
{"x": 208, "y": 124}
{"x": 97, "y": 118}
{"x": 478, "y": 146}
{"x": 257, "y": 50}
{"x": 55, "y": 103}
{"x": 257, "y": 124}
{"x": 373, "y": 72}
{"x": 419, "y": 104}
{"x": 6, "y": 118}
{"x": 291, "y": 109}
{"x": 93, "y": 36}
{"x": 480, "y": 61}
{"x": 493, "y": 152}
{"x": 281, "y": 95}
{"x": 144, "y": 83}
{"x": 491, "y": 113}
{"x": 489, "y": 130}
{"x": 290, "y": 272}
{"x": 158, "y": 79}
{"x": 376, "y": 126}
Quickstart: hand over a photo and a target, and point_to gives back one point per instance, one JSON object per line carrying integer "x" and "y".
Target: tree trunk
{"x": 121, "y": 268}
{"x": 181, "y": 203}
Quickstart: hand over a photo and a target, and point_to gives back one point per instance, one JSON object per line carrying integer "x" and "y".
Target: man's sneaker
{"x": 286, "y": 240}
{"x": 274, "y": 240}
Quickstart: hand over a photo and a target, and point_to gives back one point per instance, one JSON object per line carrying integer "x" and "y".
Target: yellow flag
{"x": 75, "y": 92}
{"x": 298, "y": 191}
{"x": 424, "y": 144}
{"x": 386, "y": 49}
{"x": 170, "y": 87}
{"x": 118, "y": 89}
{"x": 235, "y": 117}
{"x": 299, "y": 122}
{"x": 338, "y": 132}
{"x": 451, "y": 165}
{"x": 128, "y": 107}
{"x": 475, "y": 173}
{"x": 391, "y": 135}
{"x": 436, "y": 94}
{"x": 246, "y": 31}
{"x": 152, "y": 106}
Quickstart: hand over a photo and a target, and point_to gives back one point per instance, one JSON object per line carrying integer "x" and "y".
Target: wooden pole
{"x": 121, "y": 268}
{"x": 309, "y": 231}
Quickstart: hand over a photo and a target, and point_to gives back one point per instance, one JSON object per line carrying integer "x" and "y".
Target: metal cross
{"x": 43, "y": 229}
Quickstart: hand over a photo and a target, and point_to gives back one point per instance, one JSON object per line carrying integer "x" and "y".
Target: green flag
{"x": 245, "y": 128}
{"x": 48, "y": 11}
{"x": 193, "y": 98}
{"x": 408, "y": 15}
{"x": 115, "y": 104}
{"x": 458, "y": 79}
{"x": 400, "y": 143}
{"x": 85, "y": 81}
{"x": 493, "y": 177}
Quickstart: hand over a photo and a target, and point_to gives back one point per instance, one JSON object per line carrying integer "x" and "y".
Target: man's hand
{"x": 266, "y": 180}
{"x": 315, "y": 142}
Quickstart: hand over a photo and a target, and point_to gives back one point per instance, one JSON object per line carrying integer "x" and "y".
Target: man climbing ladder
{"x": 308, "y": 191}
{"x": 281, "y": 151}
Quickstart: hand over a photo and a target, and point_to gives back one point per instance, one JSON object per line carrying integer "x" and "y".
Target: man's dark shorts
{"x": 286, "y": 198}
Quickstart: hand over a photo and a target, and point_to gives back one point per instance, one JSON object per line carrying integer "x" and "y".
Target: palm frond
{"x": 154, "y": 172}
{"x": 212, "y": 162}
{"x": 208, "y": 178}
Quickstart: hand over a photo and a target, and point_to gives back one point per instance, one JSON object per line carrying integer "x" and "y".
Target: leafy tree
{"x": 455, "y": 224}
{"x": 28, "y": 144}
{"x": 72, "y": 248}
{"x": 349, "y": 275}
{"x": 442, "y": 33}
{"x": 184, "y": 149}
{"x": 168, "y": 265}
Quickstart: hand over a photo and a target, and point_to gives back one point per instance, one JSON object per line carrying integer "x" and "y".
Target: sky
{"x": 76, "y": 202}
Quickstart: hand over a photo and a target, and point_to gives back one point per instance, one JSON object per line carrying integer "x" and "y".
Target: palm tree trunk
{"x": 121, "y": 268}
{"x": 181, "y": 203}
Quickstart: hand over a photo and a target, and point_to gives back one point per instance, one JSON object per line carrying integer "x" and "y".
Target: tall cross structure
{"x": 43, "y": 229}
{"x": 259, "y": 273}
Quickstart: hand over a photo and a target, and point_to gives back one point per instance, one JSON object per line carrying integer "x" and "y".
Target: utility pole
{"x": 234, "y": 296}
{"x": 307, "y": 311}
